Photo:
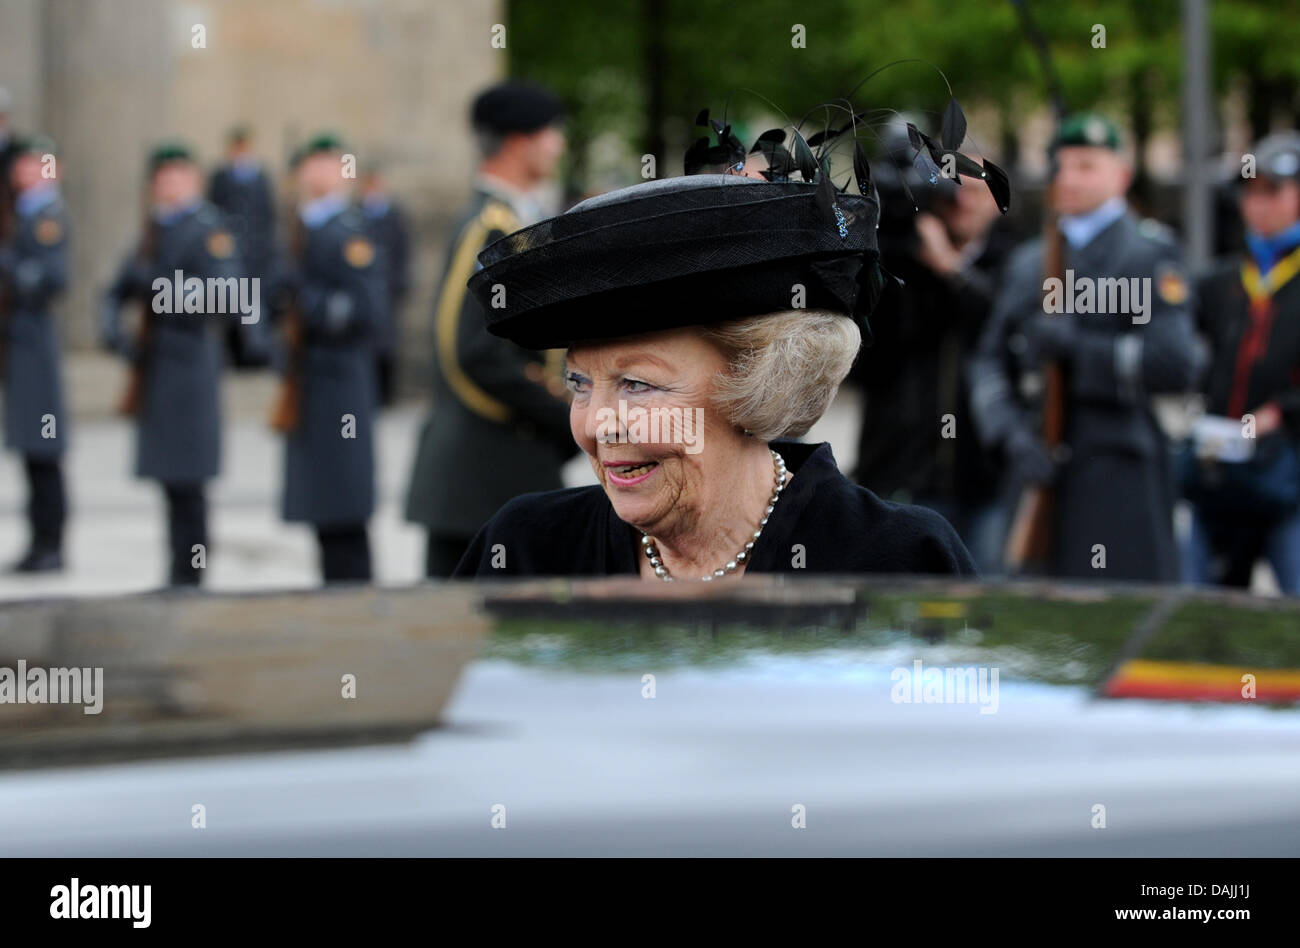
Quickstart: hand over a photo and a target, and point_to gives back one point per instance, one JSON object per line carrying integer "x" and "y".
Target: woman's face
{"x": 642, "y": 413}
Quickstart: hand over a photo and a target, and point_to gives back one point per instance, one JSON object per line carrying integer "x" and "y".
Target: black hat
{"x": 680, "y": 252}
{"x": 324, "y": 141}
{"x": 706, "y": 247}
{"x": 515, "y": 106}
{"x": 166, "y": 153}
{"x": 1277, "y": 156}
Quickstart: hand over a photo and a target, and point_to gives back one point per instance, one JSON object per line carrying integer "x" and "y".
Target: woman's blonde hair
{"x": 783, "y": 369}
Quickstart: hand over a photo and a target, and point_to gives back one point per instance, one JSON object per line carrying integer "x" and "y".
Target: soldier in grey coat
{"x": 184, "y": 276}
{"x": 494, "y": 401}
{"x": 1119, "y": 343}
{"x": 34, "y": 270}
{"x": 336, "y": 292}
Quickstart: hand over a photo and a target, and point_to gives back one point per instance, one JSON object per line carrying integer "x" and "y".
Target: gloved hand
{"x": 111, "y": 336}
{"x": 1028, "y": 457}
{"x": 1052, "y": 338}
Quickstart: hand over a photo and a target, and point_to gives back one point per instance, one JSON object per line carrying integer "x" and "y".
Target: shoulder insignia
{"x": 1171, "y": 285}
{"x": 220, "y": 244}
{"x": 359, "y": 252}
{"x": 49, "y": 231}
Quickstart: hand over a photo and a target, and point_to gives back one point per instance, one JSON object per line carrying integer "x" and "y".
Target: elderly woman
{"x": 706, "y": 319}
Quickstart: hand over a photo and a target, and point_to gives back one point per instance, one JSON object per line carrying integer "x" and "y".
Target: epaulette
{"x": 496, "y": 215}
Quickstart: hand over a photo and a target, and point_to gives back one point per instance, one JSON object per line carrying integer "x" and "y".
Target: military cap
{"x": 1086, "y": 128}
{"x": 515, "y": 106}
{"x": 1277, "y": 156}
{"x": 39, "y": 144}
{"x": 168, "y": 152}
{"x": 239, "y": 134}
{"x": 324, "y": 141}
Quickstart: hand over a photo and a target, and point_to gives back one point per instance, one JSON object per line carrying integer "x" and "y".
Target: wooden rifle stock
{"x": 1029, "y": 540}
{"x": 132, "y": 399}
{"x": 286, "y": 410}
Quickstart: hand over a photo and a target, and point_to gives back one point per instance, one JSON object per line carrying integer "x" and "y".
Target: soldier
{"x": 335, "y": 304}
{"x": 1249, "y": 311}
{"x": 176, "y": 351}
{"x": 241, "y": 190}
{"x": 34, "y": 270}
{"x": 1113, "y": 492}
{"x": 386, "y": 225}
{"x": 493, "y": 399}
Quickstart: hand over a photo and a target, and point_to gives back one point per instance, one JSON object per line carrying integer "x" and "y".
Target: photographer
{"x": 918, "y": 443}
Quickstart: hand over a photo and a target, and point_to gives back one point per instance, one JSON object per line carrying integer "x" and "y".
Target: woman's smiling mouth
{"x": 629, "y": 473}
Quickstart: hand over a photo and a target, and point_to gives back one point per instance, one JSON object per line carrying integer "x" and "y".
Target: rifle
{"x": 286, "y": 410}
{"x": 133, "y": 397}
{"x": 7, "y": 225}
{"x": 1029, "y": 541}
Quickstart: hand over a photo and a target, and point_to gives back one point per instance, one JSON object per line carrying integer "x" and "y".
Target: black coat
{"x": 1116, "y": 489}
{"x": 913, "y": 375}
{"x": 491, "y": 402}
{"x": 329, "y": 476}
{"x": 389, "y": 232}
{"x": 178, "y": 423}
{"x": 34, "y": 270}
{"x": 1273, "y": 375}
{"x": 843, "y": 528}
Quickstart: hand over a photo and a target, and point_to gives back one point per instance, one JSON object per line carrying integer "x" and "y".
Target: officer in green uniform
{"x": 33, "y": 271}
{"x": 1120, "y": 327}
{"x": 494, "y": 401}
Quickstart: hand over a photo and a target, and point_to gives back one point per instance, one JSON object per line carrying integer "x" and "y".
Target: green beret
{"x": 1086, "y": 128}
{"x": 325, "y": 141}
{"x": 168, "y": 152}
{"x": 40, "y": 144}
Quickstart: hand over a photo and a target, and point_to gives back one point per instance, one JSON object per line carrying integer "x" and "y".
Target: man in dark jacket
{"x": 184, "y": 275}
{"x": 337, "y": 291}
{"x": 494, "y": 401}
{"x": 1119, "y": 325}
{"x": 1249, "y": 311}
{"x": 386, "y": 224}
{"x": 241, "y": 190}
{"x": 34, "y": 270}
{"x": 918, "y": 442}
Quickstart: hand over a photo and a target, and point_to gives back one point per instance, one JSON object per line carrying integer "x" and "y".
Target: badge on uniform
{"x": 220, "y": 244}
{"x": 359, "y": 252}
{"x": 49, "y": 231}
{"x": 1171, "y": 285}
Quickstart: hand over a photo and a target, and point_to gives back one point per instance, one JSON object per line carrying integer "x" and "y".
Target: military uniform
{"x": 34, "y": 270}
{"x": 492, "y": 405}
{"x": 386, "y": 226}
{"x": 329, "y": 474}
{"x": 242, "y": 192}
{"x": 179, "y": 361}
{"x": 1115, "y": 486}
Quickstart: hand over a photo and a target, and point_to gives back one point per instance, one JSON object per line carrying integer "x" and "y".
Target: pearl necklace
{"x": 652, "y": 552}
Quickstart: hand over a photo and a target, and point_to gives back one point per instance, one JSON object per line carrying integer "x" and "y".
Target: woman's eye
{"x": 635, "y": 386}
{"x": 575, "y": 382}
